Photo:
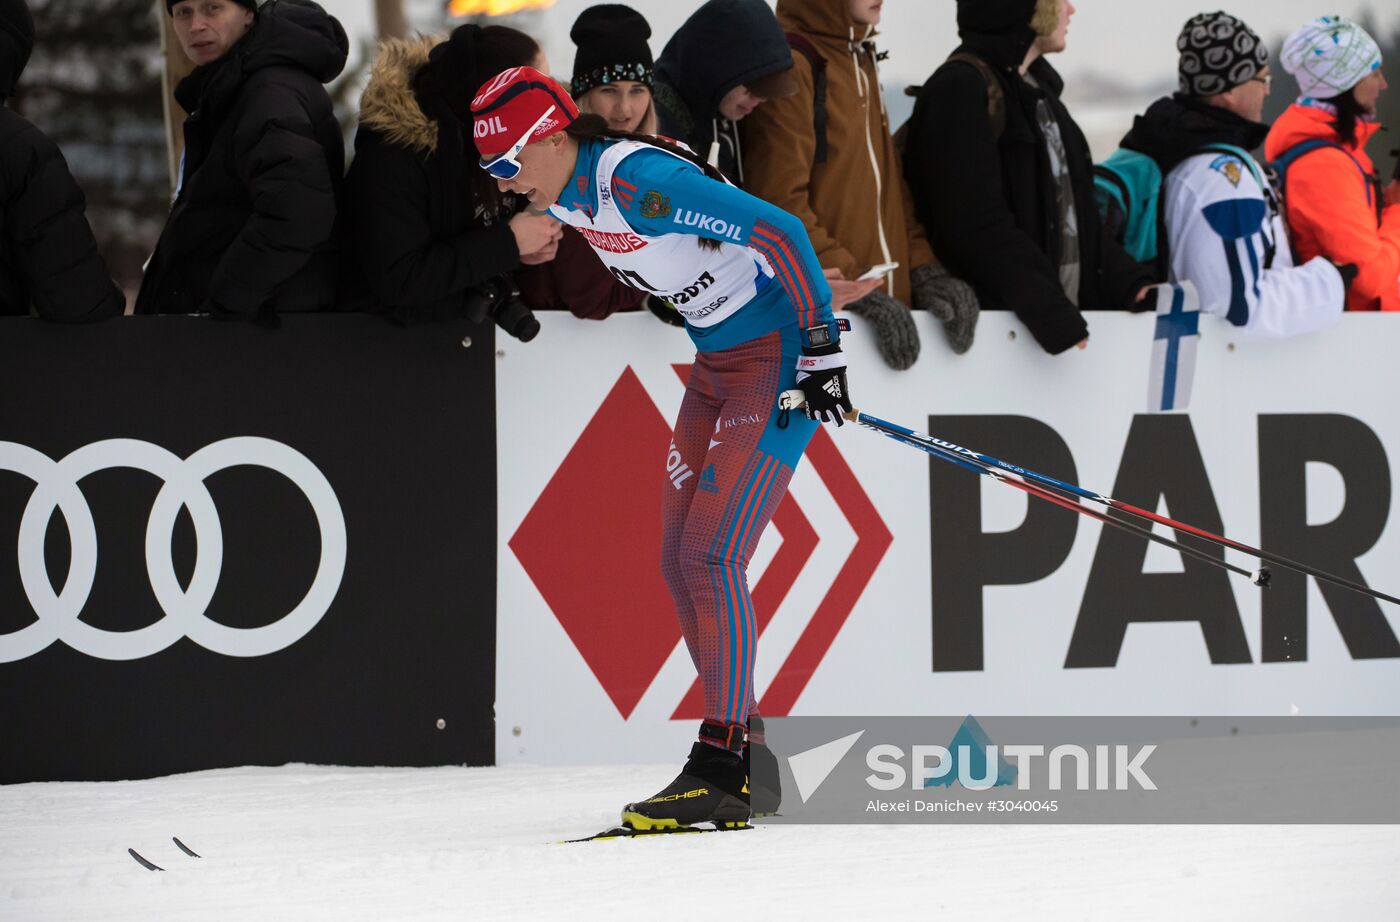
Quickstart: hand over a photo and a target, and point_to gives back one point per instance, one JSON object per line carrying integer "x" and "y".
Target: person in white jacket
{"x": 1224, "y": 230}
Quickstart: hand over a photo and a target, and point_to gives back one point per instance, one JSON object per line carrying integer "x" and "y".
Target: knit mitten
{"x": 896, "y": 335}
{"x": 950, "y": 299}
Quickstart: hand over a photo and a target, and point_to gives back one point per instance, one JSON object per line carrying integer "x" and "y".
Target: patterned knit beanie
{"x": 1218, "y": 53}
{"x": 1329, "y": 56}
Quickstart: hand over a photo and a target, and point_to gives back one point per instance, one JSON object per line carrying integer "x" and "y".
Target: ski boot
{"x": 711, "y": 788}
{"x": 761, "y": 768}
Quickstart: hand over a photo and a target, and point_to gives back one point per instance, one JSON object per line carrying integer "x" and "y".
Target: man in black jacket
{"x": 728, "y": 58}
{"x": 251, "y": 231}
{"x": 1002, "y": 177}
{"x": 48, "y": 258}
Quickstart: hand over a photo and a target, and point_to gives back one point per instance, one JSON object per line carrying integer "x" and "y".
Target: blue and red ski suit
{"x": 748, "y": 306}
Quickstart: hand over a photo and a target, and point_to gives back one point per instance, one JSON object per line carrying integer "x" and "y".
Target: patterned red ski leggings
{"x": 729, "y": 467}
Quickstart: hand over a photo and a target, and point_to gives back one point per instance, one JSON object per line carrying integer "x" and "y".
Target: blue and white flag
{"x": 1174, "y": 340}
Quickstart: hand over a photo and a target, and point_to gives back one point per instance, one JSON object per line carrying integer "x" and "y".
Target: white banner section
{"x": 894, "y": 583}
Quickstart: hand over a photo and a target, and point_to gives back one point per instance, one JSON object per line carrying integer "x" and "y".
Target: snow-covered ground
{"x": 307, "y": 842}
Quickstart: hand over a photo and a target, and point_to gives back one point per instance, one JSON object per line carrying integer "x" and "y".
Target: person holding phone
{"x": 878, "y": 273}
{"x": 826, "y": 155}
{"x": 743, "y": 274}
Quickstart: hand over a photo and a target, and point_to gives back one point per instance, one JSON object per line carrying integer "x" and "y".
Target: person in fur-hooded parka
{"x": 423, "y": 225}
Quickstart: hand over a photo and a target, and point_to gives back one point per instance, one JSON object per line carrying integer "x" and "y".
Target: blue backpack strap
{"x": 1108, "y": 184}
{"x": 1302, "y": 149}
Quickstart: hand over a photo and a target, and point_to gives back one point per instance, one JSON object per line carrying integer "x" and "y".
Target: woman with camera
{"x": 743, "y": 274}
{"x": 426, "y": 236}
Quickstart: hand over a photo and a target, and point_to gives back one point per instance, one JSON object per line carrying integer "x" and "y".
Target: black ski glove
{"x": 664, "y": 311}
{"x": 821, "y": 373}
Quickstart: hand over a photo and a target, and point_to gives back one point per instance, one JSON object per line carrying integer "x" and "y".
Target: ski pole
{"x": 793, "y": 399}
{"x": 1259, "y": 577}
{"x": 1016, "y": 475}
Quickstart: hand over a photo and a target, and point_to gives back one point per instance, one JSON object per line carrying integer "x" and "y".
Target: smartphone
{"x": 879, "y": 271}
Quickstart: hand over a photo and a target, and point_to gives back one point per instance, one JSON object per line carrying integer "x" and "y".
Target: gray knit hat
{"x": 1218, "y": 53}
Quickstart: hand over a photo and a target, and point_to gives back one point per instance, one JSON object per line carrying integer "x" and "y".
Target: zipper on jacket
{"x": 862, "y": 87}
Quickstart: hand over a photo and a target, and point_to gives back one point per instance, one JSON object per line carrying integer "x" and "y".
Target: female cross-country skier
{"x": 746, "y": 280}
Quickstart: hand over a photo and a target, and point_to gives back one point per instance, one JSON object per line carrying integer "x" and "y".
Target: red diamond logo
{"x": 592, "y": 545}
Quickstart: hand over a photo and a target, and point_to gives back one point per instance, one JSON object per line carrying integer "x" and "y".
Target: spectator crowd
{"x": 986, "y": 199}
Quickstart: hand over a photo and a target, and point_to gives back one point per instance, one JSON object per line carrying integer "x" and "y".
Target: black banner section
{"x": 225, "y": 545}
{"x": 1161, "y": 461}
{"x": 1286, "y": 444}
{"x": 964, "y": 558}
{"x": 1162, "y": 465}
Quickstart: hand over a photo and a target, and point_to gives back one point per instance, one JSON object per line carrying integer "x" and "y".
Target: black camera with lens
{"x": 499, "y": 299}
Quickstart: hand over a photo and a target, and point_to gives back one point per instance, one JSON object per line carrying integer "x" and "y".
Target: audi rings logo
{"x": 183, "y": 487}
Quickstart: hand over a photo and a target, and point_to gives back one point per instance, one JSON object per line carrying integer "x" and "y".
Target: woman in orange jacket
{"x": 1335, "y": 203}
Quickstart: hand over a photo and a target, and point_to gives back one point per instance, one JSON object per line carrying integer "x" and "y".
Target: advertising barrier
{"x": 892, "y": 583}
{"x": 224, "y": 545}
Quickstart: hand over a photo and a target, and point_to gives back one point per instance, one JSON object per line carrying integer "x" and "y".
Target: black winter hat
{"x": 1218, "y": 53}
{"x": 458, "y": 66}
{"x": 612, "y": 46}
{"x": 16, "y": 42}
{"x": 250, "y": 4}
{"x": 449, "y": 72}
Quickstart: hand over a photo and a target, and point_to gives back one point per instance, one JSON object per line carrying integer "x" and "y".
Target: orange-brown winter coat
{"x": 855, "y": 205}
